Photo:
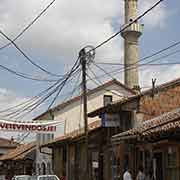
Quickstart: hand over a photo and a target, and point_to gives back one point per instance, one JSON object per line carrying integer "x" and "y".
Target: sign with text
{"x": 47, "y": 127}
{"x": 110, "y": 120}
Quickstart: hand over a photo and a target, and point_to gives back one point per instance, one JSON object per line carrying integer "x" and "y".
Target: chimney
{"x": 131, "y": 47}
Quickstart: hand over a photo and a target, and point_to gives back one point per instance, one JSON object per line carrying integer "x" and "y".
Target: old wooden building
{"x": 141, "y": 108}
{"x": 155, "y": 145}
{"x": 19, "y": 161}
{"x": 68, "y": 147}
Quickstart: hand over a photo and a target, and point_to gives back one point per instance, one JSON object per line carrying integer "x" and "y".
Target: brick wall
{"x": 163, "y": 101}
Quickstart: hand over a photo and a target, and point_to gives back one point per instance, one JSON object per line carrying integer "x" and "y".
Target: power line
{"x": 125, "y": 27}
{"x": 100, "y": 83}
{"x": 56, "y": 89}
{"x": 27, "y": 108}
{"x": 130, "y": 67}
{"x": 29, "y": 25}
{"x": 157, "y": 59}
{"x": 104, "y": 71}
{"x": 25, "y": 76}
{"x": 150, "y": 56}
{"x": 71, "y": 93}
{"x": 28, "y": 58}
{"x": 154, "y": 64}
{"x": 33, "y": 101}
{"x": 30, "y": 100}
{"x": 75, "y": 67}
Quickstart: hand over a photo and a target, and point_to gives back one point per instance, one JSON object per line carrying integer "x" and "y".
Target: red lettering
{"x": 33, "y": 127}
{"x": 3, "y": 126}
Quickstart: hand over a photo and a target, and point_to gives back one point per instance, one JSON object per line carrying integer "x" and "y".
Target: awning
{"x": 19, "y": 153}
{"x": 162, "y": 124}
{"x": 73, "y": 135}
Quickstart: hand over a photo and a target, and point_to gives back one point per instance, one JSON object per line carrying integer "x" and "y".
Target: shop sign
{"x": 110, "y": 120}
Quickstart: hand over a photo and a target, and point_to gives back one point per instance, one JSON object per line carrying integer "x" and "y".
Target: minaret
{"x": 131, "y": 48}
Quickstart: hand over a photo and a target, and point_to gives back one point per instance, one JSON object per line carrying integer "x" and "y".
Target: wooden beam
{"x": 130, "y": 106}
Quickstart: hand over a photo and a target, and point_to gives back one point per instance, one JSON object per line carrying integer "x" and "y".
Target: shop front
{"x": 154, "y": 145}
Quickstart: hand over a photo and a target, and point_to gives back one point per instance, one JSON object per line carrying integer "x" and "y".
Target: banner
{"x": 44, "y": 127}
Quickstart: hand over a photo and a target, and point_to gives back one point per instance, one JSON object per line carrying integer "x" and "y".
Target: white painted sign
{"x": 110, "y": 120}
{"x": 44, "y": 127}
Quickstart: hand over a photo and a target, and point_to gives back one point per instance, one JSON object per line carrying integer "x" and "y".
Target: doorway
{"x": 158, "y": 157}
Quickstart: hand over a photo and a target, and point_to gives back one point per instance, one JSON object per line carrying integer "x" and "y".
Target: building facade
{"x": 71, "y": 115}
{"x": 143, "y": 108}
{"x": 19, "y": 161}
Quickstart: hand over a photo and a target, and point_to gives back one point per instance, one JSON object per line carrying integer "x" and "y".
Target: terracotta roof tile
{"x": 19, "y": 152}
{"x": 77, "y": 133}
{"x": 165, "y": 122}
{"x": 7, "y": 143}
{"x": 158, "y": 88}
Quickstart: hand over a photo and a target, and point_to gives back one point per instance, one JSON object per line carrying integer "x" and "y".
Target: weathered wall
{"x": 73, "y": 115}
{"x": 163, "y": 101}
{"x": 58, "y": 162}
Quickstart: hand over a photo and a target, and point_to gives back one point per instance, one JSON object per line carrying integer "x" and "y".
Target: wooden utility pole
{"x": 83, "y": 59}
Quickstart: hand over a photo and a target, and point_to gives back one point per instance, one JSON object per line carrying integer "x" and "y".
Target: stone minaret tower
{"x": 131, "y": 49}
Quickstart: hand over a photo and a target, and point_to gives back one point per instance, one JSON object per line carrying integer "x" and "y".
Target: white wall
{"x": 72, "y": 114}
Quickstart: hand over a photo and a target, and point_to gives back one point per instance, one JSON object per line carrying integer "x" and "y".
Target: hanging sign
{"x": 110, "y": 120}
{"x": 47, "y": 127}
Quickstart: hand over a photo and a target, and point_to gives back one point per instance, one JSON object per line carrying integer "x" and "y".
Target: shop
{"x": 154, "y": 145}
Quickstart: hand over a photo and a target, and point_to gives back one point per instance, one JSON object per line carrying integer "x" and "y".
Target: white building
{"x": 70, "y": 113}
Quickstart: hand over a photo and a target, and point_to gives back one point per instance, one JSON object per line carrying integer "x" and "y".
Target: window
{"x": 107, "y": 99}
{"x": 172, "y": 167}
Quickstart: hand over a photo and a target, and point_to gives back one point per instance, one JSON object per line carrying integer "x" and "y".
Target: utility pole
{"x": 83, "y": 58}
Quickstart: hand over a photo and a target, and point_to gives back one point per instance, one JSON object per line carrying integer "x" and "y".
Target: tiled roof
{"x": 74, "y": 134}
{"x": 19, "y": 153}
{"x": 163, "y": 123}
{"x": 6, "y": 143}
{"x": 158, "y": 88}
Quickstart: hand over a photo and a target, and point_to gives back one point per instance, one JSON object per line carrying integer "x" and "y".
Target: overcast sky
{"x": 55, "y": 39}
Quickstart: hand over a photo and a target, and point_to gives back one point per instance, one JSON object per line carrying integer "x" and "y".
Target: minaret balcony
{"x": 134, "y": 28}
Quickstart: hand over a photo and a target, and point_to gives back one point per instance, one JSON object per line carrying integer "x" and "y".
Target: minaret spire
{"x": 131, "y": 48}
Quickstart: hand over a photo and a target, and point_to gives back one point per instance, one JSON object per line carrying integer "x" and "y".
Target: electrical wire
{"x": 103, "y": 70}
{"x": 68, "y": 76}
{"x": 158, "y": 64}
{"x": 150, "y": 56}
{"x": 27, "y": 57}
{"x": 131, "y": 67}
{"x": 125, "y": 27}
{"x": 100, "y": 83}
{"x": 75, "y": 88}
{"x": 25, "y": 76}
{"x": 70, "y": 93}
{"x": 157, "y": 59}
{"x": 29, "y": 25}
{"x": 27, "y": 104}
{"x": 56, "y": 89}
{"x": 32, "y": 105}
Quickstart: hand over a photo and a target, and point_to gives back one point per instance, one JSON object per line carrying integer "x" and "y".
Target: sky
{"x": 55, "y": 40}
